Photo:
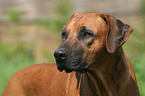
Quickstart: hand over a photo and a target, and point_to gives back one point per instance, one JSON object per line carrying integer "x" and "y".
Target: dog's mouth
{"x": 74, "y": 65}
{"x": 61, "y": 68}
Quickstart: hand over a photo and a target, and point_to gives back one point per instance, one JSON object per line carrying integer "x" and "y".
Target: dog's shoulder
{"x": 35, "y": 77}
{"x": 36, "y": 71}
{"x": 45, "y": 77}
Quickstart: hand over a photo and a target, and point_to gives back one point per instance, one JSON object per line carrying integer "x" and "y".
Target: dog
{"x": 90, "y": 59}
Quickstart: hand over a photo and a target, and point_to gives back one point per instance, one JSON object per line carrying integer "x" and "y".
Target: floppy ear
{"x": 118, "y": 33}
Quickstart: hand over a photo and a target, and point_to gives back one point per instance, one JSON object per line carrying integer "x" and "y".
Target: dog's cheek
{"x": 92, "y": 51}
{"x": 88, "y": 55}
{"x": 90, "y": 42}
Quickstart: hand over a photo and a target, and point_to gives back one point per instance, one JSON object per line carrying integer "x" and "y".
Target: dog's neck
{"x": 104, "y": 75}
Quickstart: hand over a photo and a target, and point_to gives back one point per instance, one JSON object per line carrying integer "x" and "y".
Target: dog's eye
{"x": 87, "y": 34}
{"x": 64, "y": 36}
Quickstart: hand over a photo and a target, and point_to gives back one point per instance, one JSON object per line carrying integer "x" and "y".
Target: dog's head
{"x": 87, "y": 37}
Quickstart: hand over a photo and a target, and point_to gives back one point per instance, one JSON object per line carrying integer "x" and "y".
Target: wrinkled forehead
{"x": 92, "y": 21}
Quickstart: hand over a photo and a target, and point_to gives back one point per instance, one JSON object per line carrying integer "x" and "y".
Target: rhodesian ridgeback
{"x": 92, "y": 58}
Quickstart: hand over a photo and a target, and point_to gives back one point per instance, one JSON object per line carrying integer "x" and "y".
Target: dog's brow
{"x": 64, "y": 30}
{"x": 84, "y": 28}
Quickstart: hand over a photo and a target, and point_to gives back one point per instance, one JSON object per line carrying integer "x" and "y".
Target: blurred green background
{"x": 30, "y": 31}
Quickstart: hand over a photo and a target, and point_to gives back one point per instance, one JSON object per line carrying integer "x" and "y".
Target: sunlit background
{"x": 30, "y": 31}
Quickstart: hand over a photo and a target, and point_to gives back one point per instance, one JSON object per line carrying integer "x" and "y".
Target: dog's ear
{"x": 118, "y": 33}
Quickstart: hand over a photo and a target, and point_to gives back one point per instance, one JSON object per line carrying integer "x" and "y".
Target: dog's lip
{"x": 61, "y": 68}
{"x": 78, "y": 69}
{"x": 67, "y": 70}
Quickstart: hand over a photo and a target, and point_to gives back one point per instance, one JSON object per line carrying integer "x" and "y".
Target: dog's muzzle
{"x": 68, "y": 62}
{"x": 61, "y": 57}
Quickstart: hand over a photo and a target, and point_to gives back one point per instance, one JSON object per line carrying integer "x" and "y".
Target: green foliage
{"x": 62, "y": 10}
{"x": 55, "y": 25}
{"x": 49, "y": 56}
{"x": 13, "y": 15}
{"x": 142, "y": 7}
{"x": 139, "y": 65}
{"x": 12, "y": 59}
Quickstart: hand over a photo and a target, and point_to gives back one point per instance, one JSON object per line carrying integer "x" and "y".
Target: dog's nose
{"x": 60, "y": 54}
